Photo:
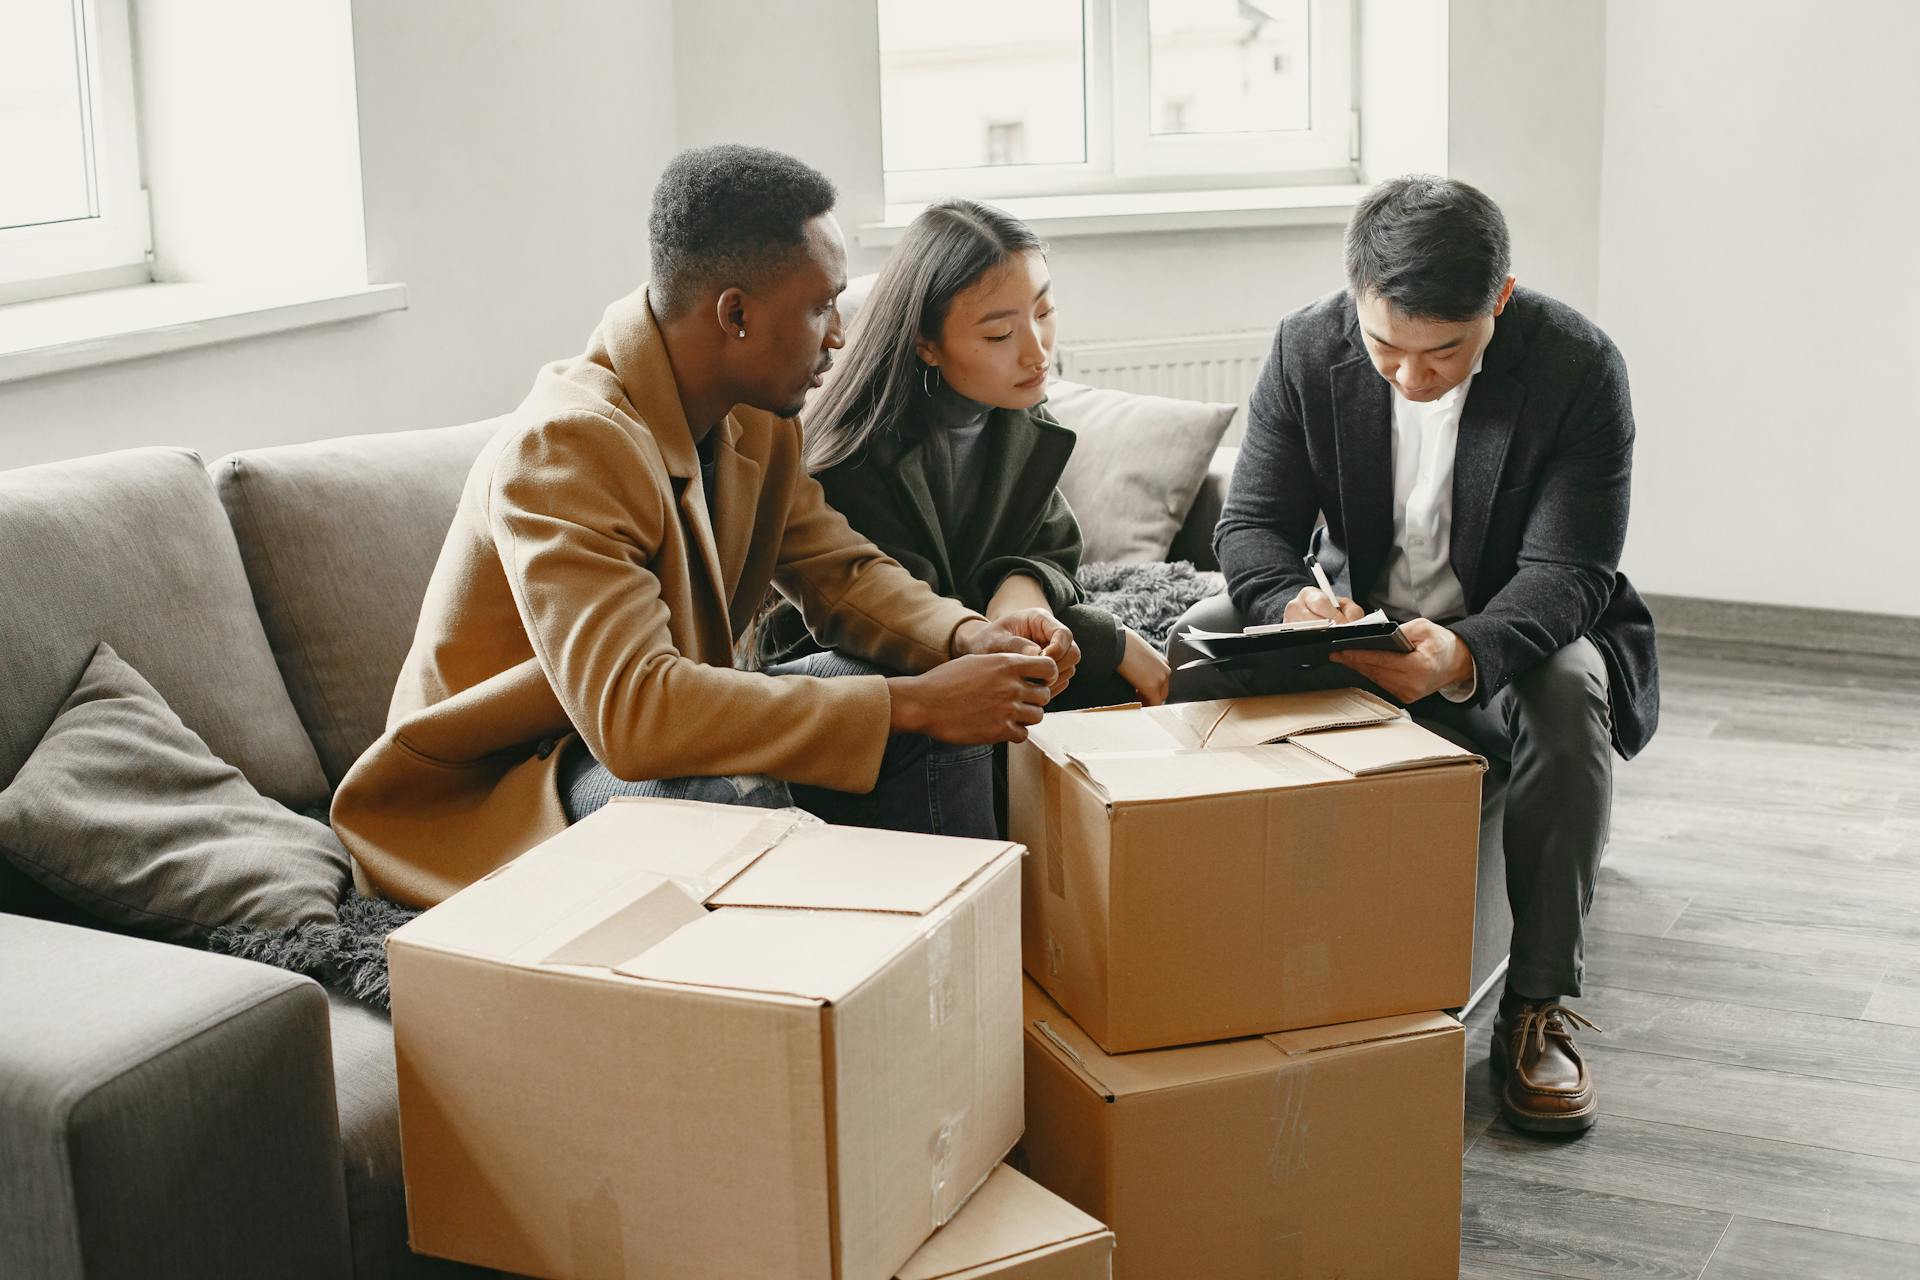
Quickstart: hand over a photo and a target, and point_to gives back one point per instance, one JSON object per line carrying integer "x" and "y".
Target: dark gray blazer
{"x": 1540, "y": 485}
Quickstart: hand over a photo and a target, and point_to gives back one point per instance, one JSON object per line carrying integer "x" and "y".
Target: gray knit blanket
{"x": 1148, "y": 597}
{"x": 350, "y": 956}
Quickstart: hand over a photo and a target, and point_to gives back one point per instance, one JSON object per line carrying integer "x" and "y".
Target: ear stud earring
{"x": 743, "y": 333}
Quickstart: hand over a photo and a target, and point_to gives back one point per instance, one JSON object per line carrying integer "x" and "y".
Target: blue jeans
{"x": 924, "y": 785}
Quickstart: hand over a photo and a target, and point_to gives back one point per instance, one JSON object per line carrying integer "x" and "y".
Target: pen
{"x": 1320, "y": 577}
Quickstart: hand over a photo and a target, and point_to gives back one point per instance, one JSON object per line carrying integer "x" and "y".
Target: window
{"x": 1078, "y": 96}
{"x": 72, "y": 214}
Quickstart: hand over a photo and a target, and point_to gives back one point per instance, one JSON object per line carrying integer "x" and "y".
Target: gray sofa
{"x": 165, "y": 1111}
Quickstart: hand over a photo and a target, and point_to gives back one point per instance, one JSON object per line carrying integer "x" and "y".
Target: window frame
{"x": 108, "y": 247}
{"x": 1123, "y": 155}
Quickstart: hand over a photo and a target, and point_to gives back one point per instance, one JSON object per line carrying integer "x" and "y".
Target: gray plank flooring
{"x": 1754, "y": 957}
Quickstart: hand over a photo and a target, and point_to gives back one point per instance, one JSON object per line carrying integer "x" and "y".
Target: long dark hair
{"x": 879, "y": 382}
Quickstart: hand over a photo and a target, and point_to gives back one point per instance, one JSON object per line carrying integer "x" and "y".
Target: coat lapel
{"x": 698, "y": 522}
{"x": 1486, "y": 429}
{"x": 1487, "y": 423}
{"x": 637, "y": 354}
{"x": 736, "y": 491}
{"x": 912, "y": 473}
{"x": 1363, "y": 443}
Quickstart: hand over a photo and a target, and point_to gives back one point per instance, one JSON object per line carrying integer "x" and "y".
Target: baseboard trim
{"x": 1883, "y": 635}
{"x": 1494, "y": 979}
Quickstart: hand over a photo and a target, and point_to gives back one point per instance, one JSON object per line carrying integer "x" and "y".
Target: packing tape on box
{"x": 946, "y": 1150}
{"x": 762, "y": 838}
{"x": 1282, "y": 1244}
{"x": 1055, "y": 853}
{"x": 1286, "y": 1115}
{"x": 940, "y": 1000}
{"x": 1311, "y": 866}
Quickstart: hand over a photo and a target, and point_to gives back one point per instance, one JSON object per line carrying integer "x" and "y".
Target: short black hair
{"x": 724, "y": 216}
{"x": 1434, "y": 248}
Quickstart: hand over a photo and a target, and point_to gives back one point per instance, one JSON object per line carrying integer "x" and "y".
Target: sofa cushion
{"x": 339, "y": 539}
{"x": 133, "y": 549}
{"x": 1194, "y": 542}
{"x": 123, "y": 810}
{"x": 1138, "y": 464}
{"x": 163, "y": 1113}
{"x": 369, "y": 1098}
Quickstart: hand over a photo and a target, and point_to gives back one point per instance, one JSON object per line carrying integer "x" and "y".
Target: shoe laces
{"x": 1541, "y": 1020}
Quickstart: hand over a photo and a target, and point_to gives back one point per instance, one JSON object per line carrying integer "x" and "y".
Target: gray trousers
{"x": 1548, "y": 734}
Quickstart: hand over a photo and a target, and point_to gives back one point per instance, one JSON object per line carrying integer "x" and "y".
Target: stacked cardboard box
{"x": 696, "y": 1040}
{"x": 1245, "y": 916}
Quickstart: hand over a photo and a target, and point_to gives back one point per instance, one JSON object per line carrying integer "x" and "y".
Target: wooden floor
{"x": 1754, "y": 957}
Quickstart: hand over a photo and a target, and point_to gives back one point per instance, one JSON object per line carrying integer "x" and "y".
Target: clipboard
{"x": 1304, "y": 642}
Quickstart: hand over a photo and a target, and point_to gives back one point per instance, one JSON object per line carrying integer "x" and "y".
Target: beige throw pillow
{"x": 1139, "y": 463}
{"x": 122, "y": 810}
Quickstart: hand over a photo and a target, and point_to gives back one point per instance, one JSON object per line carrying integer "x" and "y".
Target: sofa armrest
{"x": 163, "y": 1112}
{"x": 1194, "y": 542}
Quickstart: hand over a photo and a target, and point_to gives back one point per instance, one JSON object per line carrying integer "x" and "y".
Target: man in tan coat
{"x": 613, "y": 542}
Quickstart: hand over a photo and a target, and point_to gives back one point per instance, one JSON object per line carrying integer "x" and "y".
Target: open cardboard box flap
{"x": 1126, "y": 777}
{"x": 612, "y": 889}
{"x": 1246, "y": 722}
{"x": 1385, "y": 748}
{"x": 1213, "y": 725}
{"x": 812, "y": 955}
{"x": 1008, "y": 1217}
{"x": 858, "y": 869}
{"x": 1298, "y": 758}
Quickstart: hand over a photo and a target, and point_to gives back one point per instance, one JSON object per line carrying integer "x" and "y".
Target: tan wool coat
{"x": 584, "y": 589}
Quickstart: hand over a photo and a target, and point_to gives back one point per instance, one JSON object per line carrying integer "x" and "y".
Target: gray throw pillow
{"x": 1139, "y": 463}
{"x": 122, "y": 809}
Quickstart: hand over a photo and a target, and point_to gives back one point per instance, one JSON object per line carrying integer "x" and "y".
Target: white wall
{"x": 508, "y": 152}
{"x": 1757, "y": 268}
{"x": 1523, "y": 124}
{"x": 800, "y": 77}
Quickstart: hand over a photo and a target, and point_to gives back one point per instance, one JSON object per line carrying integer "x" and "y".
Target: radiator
{"x": 1220, "y": 368}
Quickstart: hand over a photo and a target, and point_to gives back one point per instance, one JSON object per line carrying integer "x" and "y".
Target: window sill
{"x": 54, "y": 335}
{"x": 1130, "y": 213}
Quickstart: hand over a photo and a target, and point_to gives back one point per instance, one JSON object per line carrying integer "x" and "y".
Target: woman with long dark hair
{"x": 930, "y": 436}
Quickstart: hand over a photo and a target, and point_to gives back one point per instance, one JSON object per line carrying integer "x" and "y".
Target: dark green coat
{"x": 1019, "y": 523}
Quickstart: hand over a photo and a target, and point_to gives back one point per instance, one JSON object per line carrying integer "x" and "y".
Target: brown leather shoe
{"x": 1548, "y": 1088}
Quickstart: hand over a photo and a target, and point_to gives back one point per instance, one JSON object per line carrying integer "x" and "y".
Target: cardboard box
{"x": 1015, "y": 1229}
{"x": 700, "y": 1040}
{"x": 1212, "y": 870}
{"x": 1331, "y": 1151}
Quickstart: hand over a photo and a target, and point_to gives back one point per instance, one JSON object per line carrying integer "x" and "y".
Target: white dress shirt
{"x": 1418, "y": 580}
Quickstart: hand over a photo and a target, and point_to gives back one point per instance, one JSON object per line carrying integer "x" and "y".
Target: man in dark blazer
{"x": 1458, "y": 452}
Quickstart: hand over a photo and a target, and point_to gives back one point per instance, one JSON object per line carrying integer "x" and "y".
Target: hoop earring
{"x": 929, "y": 385}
